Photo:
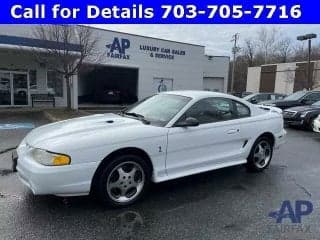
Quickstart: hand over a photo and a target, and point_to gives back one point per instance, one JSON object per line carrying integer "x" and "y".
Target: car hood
{"x": 76, "y": 128}
{"x": 303, "y": 108}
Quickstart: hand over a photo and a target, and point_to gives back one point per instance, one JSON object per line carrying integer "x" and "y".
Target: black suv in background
{"x": 256, "y": 98}
{"x": 302, "y": 116}
{"x": 300, "y": 98}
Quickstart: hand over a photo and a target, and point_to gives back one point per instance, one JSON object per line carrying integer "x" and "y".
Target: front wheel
{"x": 123, "y": 181}
{"x": 309, "y": 124}
{"x": 260, "y": 155}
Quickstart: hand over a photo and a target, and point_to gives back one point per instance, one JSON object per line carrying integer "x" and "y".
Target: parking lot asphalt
{"x": 223, "y": 204}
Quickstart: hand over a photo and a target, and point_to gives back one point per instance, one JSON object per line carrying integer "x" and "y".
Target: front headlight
{"x": 304, "y": 114}
{"x": 50, "y": 159}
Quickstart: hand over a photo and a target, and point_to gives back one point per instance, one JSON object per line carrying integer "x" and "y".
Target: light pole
{"x": 235, "y": 49}
{"x": 303, "y": 38}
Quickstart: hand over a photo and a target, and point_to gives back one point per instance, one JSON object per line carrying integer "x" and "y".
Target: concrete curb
{"x": 53, "y": 118}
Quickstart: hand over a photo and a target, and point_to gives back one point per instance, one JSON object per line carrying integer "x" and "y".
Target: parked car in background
{"x": 256, "y": 98}
{"x": 302, "y": 116}
{"x": 240, "y": 94}
{"x": 316, "y": 124}
{"x": 167, "y": 136}
{"x": 300, "y": 98}
{"x": 108, "y": 96}
{"x": 244, "y": 94}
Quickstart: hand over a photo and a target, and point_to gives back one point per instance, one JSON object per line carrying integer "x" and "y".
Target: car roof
{"x": 269, "y": 93}
{"x": 198, "y": 94}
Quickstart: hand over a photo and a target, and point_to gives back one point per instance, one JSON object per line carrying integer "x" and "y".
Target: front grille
{"x": 289, "y": 114}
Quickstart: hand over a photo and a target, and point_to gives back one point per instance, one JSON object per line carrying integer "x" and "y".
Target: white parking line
{"x": 9, "y": 126}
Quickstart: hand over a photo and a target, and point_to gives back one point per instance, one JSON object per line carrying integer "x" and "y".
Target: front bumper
{"x": 71, "y": 180}
{"x": 297, "y": 121}
{"x": 316, "y": 125}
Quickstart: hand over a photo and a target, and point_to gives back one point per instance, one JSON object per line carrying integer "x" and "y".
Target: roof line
{"x": 270, "y": 64}
{"x": 217, "y": 56}
{"x": 137, "y": 35}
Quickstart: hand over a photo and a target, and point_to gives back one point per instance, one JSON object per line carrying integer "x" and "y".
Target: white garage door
{"x": 214, "y": 84}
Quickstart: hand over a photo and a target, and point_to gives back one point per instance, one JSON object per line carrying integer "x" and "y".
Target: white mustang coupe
{"x": 166, "y": 136}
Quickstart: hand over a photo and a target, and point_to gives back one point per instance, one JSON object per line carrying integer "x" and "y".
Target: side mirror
{"x": 189, "y": 122}
{"x": 254, "y": 101}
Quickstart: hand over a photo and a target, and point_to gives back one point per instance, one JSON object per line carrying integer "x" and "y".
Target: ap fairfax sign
{"x": 118, "y": 47}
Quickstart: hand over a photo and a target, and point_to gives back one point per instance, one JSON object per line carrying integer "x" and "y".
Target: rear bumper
{"x": 71, "y": 180}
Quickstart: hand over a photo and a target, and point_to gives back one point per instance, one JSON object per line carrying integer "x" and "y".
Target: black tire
{"x": 102, "y": 189}
{"x": 309, "y": 125}
{"x": 252, "y": 160}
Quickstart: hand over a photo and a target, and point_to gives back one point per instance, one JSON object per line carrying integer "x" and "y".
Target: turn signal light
{"x": 60, "y": 160}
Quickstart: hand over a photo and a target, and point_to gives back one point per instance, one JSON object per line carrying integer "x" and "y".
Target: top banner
{"x": 160, "y": 12}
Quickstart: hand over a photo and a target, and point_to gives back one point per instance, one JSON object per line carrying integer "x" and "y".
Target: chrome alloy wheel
{"x": 262, "y": 154}
{"x": 125, "y": 182}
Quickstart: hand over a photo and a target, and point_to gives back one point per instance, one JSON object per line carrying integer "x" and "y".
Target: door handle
{"x": 233, "y": 131}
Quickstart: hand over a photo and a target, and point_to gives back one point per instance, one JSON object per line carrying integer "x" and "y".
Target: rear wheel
{"x": 260, "y": 155}
{"x": 123, "y": 181}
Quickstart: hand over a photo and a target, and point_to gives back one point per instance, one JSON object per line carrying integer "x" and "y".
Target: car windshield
{"x": 295, "y": 96}
{"x": 316, "y": 104}
{"x": 159, "y": 109}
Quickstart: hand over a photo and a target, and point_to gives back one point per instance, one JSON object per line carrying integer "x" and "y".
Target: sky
{"x": 216, "y": 38}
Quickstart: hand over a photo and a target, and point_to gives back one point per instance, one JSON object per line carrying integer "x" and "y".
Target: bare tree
{"x": 249, "y": 51}
{"x": 64, "y": 48}
{"x": 271, "y": 45}
{"x": 283, "y": 49}
{"x": 299, "y": 53}
{"x": 267, "y": 42}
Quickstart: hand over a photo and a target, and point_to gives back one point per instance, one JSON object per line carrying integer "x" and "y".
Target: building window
{"x": 33, "y": 80}
{"x": 55, "y": 83}
{"x": 162, "y": 84}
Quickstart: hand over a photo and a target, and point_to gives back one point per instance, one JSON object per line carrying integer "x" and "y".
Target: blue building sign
{"x": 117, "y": 49}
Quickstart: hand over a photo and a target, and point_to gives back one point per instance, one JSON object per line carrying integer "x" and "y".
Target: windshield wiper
{"x": 139, "y": 116}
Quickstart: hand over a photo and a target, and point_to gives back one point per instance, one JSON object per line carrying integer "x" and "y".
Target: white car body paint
{"x": 174, "y": 151}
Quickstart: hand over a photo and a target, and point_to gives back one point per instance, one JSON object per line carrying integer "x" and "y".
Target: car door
{"x": 216, "y": 142}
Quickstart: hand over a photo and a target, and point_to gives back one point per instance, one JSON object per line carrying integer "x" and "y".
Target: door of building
{"x": 14, "y": 89}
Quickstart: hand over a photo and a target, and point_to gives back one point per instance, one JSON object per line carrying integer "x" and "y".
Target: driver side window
{"x": 211, "y": 110}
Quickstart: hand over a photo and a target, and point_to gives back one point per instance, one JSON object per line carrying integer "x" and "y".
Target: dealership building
{"x": 131, "y": 67}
